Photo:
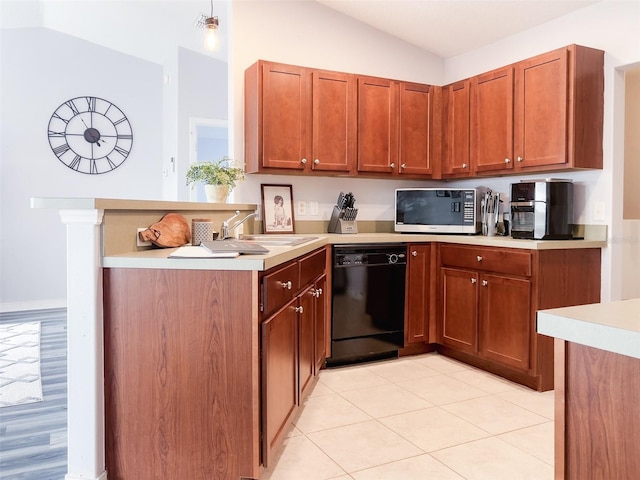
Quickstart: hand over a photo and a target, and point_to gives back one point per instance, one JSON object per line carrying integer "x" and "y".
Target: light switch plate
{"x": 302, "y": 207}
{"x": 598, "y": 211}
{"x": 313, "y": 208}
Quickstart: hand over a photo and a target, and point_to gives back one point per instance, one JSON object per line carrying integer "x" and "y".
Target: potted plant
{"x": 219, "y": 178}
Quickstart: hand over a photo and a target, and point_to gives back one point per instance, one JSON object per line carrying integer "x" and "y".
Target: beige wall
{"x": 631, "y": 204}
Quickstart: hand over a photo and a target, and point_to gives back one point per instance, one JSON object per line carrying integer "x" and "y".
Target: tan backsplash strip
{"x": 119, "y": 227}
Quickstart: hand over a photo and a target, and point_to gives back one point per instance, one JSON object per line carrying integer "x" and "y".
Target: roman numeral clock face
{"x": 90, "y": 135}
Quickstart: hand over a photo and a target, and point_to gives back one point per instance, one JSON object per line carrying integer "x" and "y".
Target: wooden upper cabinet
{"x": 492, "y": 121}
{"x": 416, "y": 122}
{"x": 377, "y": 125}
{"x": 559, "y": 110}
{"x": 457, "y": 117}
{"x": 299, "y": 119}
{"x": 334, "y": 121}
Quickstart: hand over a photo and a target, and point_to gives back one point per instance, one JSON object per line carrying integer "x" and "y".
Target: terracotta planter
{"x": 216, "y": 193}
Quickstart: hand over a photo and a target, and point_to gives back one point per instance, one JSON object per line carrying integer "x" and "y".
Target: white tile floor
{"x": 424, "y": 417}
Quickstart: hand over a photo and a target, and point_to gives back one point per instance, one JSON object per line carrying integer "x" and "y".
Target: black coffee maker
{"x": 542, "y": 209}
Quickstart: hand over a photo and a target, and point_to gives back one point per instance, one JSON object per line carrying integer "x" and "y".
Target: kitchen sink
{"x": 277, "y": 240}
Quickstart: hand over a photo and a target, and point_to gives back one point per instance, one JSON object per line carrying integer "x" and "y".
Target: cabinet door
{"x": 306, "y": 327}
{"x": 334, "y": 121}
{"x": 459, "y": 309}
{"x": 377, "y": 125}
{"x": 419, "y": 294}
{"x": 279, "y": 376}
{"x": 492, "y": 121}
{"x": 505, "y": 319}
{"x": 415, "y": 129}
{"x": 321, "y": 321}
{"x": 456, "y": 160}
{"x": 286, "y": 116}
{"x": 541, "y": 110}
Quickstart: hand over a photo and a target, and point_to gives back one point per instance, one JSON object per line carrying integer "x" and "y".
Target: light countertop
{"x": 613, "y": 326}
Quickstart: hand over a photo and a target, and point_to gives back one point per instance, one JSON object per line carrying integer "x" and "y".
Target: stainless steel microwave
{"x": 437, "y": 210}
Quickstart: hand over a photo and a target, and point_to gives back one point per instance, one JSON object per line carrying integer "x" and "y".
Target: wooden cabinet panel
{"x": 279, "y": 377}
{"x": 459, "y": 309}
{"x": 542, "y": 106}
{"x": 501, "y": 260}
{"x": 306, "y": 328}
{"x": 285, "y": 116}
{"x": 280, "y": 287}
{"x": 492, "y": 121}
{"x": 334, "y": 121}
{"x": 181, "y": 374}
{"x": 505, "y": 320}
{"x": 322, "y": 321}
{"x": 416, "y": 117}
{"x": 312, "y": 266}
{"x": 456, "y": 160}
{"x": 377, "y": 125}
{"x": 418, "y": 294}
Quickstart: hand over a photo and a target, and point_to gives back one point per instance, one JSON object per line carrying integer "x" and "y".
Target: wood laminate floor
{"x": 33, "y": 437}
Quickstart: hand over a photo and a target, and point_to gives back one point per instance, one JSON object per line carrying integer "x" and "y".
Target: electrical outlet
{"x": 313, "y": 208}
{"x": 302, "y": 207}
{"x": 140, "y": 243}
{"x": 598, "y": 211}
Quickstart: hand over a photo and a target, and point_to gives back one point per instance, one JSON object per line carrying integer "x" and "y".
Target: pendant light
{"x": 210, "y": 25}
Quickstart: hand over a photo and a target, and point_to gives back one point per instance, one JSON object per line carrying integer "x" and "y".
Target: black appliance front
{"x": 367, "y": 307}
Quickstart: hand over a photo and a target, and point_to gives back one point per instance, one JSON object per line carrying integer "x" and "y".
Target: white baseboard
{"x": 32, "y": 305}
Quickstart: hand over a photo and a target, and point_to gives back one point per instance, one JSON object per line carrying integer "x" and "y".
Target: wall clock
{"x": 90, "y": 135}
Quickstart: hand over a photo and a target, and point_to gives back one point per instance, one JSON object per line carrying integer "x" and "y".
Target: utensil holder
{"x": 338, "y": 225}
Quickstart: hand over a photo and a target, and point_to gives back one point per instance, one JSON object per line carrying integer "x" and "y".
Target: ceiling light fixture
{"x": 210, "y": 25}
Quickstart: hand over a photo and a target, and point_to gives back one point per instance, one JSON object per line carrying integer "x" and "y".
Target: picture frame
{"x": 277, "y": 208}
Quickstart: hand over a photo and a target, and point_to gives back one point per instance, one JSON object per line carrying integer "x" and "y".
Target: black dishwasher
{"x": 367, "y": 306}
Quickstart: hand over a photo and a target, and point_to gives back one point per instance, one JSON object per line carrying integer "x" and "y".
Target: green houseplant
{"x": 219, "y": 177}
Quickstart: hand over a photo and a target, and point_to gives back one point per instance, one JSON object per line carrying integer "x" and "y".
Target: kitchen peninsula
{"x": 164, "y": 353}
{"x": 597, "y": 394}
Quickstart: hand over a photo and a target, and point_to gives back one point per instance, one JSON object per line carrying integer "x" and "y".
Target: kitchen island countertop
{"x": 612, "y": 326}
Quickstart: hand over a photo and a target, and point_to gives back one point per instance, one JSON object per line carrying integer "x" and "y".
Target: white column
{"x": 85, "y": 346}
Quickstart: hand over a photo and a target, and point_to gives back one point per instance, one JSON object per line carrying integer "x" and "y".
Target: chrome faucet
{"x": 226, "y": 230}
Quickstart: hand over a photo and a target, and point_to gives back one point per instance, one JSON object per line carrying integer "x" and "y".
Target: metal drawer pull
{"x": 393, "y": 165}
{"x": 507, "y": 160}
{"x": 464, "y": 165}
{"x": 404, "y": 165}
{"x": 414, "y": 253}
{"x": 520, "y": 159}
{"x": 299, "y": 310}
{"x": 479, "y": 258}
{"x": 287, "y": 285}
{"x": 317, "y": 293}
{"x": 316, "y": 161}
{"x": 473, "y": 280}
{"x": 484, "y": 283}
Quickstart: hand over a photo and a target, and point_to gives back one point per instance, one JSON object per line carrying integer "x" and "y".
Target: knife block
{"x": 338, "y": 225}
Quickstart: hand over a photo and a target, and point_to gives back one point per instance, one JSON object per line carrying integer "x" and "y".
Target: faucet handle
{"x": 226, "y": 222}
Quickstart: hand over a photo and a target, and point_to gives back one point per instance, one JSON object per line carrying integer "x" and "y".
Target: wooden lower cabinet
{"x": 487, "y": 298}
{"x": 292, "y": 346}
{"x": 419, "y": 293}
{"x": 279, "y": 351}
{"x": 181, "y": 374}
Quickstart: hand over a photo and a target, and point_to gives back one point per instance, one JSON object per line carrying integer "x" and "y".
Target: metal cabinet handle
{"x": 404, "y": 165}
{"x": 287, "y": 285}
{"x": 393, "y": 165}
{"x": 464, "y": 165}
{"x": 414, "y": 253}
{"x": 303, "y": 161}
{"x": 319, "y": 292}
{"x": 316, "y": 161}
{"x": 520, "y": 159}
{"x": 479, "y": 258}
{"x": 299, "y": 309}
{"x": 507, "y": 160}
{"x": 473, "y": 280}
{"x": 484, "y": 283}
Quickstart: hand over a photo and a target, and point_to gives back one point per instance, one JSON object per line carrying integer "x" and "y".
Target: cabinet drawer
{"x": 279, "y": 287}
{"x": 502, "y": 260}
{"x": 312, "y": 266}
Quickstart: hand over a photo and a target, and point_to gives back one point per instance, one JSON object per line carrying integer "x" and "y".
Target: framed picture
{"x": 277, "y": 208}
